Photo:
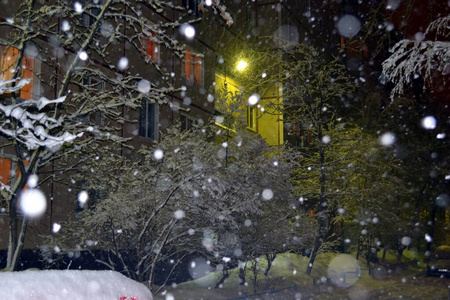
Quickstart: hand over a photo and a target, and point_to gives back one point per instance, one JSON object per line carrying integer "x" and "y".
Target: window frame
{"x": 250, "y": 116}
{"x": 187, "y": 122}
{"x": 89, "y": 20}
{"x": 144, "y": 132}
{"x": 154, "y": 53}
{"x": 30, "y": 65}
{"x": 192, "y": 7}
{"x": 193, "y": 67}
{"x": 98, "y": 119}
{"x": 91, "y": 81}
{"x": 12, "y": 164}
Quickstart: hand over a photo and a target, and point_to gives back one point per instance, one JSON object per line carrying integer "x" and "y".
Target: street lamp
{"x": 241, "y": 65}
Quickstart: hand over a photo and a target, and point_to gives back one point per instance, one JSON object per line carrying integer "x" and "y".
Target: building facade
{"x": 100, "y": 55}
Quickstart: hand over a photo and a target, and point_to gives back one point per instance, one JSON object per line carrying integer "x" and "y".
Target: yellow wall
{"x": 269, "y": 121}
{"x": 232, "y": 85}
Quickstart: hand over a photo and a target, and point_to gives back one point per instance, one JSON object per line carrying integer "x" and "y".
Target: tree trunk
{"x": 15, "y": 249}
{"x": 400, "y": 253}
{"x": 270, "y": 258}
{"x": 242, "y": 275}
{"x": 371, "y": 257}
{"x": 323, "y": 215}
{"x": 312, "y": 258}
{"x": 224, "y": 277}
{"x": 432, "y": 226}
{"x": 16, "y": 238}
{"x": 255, "y": 275}
{"x": 358, "y": 251}
{"x": 13, "y": 230}
{"x": 385, "y": 250}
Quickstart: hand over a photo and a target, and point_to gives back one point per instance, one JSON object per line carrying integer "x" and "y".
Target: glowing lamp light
{"x": 241, "y": 65}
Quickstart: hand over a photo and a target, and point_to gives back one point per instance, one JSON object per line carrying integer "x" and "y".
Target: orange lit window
{"x": 6, "y": 165}
{"x": 150, "y": 47}
{"x": 342, "y": 43}
{"x": 8, "y": 58}
{"x": 6, "y": 176}
{"x": 193, "y": 67}
{"x": 5, "y": 170}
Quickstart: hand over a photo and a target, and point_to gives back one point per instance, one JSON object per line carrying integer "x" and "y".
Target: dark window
{"x": 94, "y": 86}
{"x": 147, "y": 120}
{"x": 89, "y": 17}
{"x": 192, "y": 7}
{"x": 186, "y": 122}
{"x": 251, "y": 20}
{"x": 94, "y": 197}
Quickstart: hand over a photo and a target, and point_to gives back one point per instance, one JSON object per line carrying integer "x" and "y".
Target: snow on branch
{"x": 427, "y": 58}
{"x": 5, "y": 86}
{"x": 29, "y": 128}
{"x": 222, "y": 10}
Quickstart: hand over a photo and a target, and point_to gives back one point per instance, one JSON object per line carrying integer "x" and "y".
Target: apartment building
{"x": 99, "y": 59}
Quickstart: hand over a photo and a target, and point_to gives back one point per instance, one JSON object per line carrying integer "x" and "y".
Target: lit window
{"x": 7, "y": 177}
{"x": 150, "y": 47}
{"x": 5, "y": 170}
{"x": 8, "y": 58}
{"x": 148, "y": 120}
{"x": 193, "y": 67}
{"x": 251, "y": 117}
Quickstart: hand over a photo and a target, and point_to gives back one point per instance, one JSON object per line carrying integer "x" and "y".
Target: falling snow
{"x": 429, "y": 123}
{"x": 187, "y": 30}
{"x": 348, "y": 25}
{"x": 387, "y": 139}
{"x": 123, "y": 63}
{"x": 233, "y": 130}
{"x": 83, "y": 55}
{"x": 33, "y": 202}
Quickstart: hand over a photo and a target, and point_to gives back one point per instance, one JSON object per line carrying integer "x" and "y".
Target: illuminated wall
{"x": 264, "y": 118}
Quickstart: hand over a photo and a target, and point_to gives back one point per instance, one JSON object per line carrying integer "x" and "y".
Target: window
{"x": 187, "y": 122}
{"x": 192, "y": 7}
{"x": 193, "y": 67}
{"x": 251, "y": 117}
{"x": 8, "y": 58}
{"x": 90, "y": 15}
{"x": 93, "y": 85}
{"x": 94, "y": 197}
{"x": 148, "y": 120}
{"x": 5, "y": 173}
{"x": 97, "y": 85}
{"x": 150, "y": 47}
{"x": 251, "y": 20}
{"x": 5, "y": 170}
{"x": 7, "y": 176}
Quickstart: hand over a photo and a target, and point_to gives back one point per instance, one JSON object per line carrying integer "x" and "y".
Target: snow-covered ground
{"x": 70, "y": 284}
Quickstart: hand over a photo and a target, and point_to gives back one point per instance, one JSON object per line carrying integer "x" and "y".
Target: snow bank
{"x": 70, "y": 284}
